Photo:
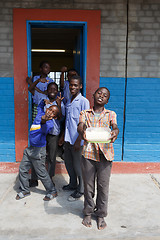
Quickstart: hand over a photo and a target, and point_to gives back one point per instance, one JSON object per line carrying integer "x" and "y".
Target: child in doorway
{"x": 73, "y": 143}
{"x": 97, "y": 158}
{"x": 64, "y": 85}
{"x": 38, "y": 87}
{"x": 36, "y": 154}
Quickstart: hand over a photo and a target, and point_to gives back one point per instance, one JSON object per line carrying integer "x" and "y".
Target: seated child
{"x": 97, "y": 158}
{"x": 36, "y": 154}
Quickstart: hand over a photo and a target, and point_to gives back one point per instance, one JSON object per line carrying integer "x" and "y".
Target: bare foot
{"x": 101, "y": 224}
{"x": 87, "y": 221}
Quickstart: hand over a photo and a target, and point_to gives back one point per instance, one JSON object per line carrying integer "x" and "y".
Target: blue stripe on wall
{"x": 7, "y": 126}
{"x": 116, "y": 87}
{"x": 142, "y": 130}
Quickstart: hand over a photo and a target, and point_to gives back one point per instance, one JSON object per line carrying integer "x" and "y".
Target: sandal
{"x": 50, "y": 196}
{"x": 87, "y": 221}
{"x": 21, "y": 195}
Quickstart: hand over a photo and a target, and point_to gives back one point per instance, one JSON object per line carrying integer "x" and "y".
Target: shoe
{"x": 33, "y": 183}
{"x": 21, "y": 195}
{"x": 75, "y": 196}
{"x": 68, "y": 188}
{"x": 50, "y": 196}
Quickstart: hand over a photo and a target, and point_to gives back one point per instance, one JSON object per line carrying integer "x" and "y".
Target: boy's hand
{"x": 77, "y": 144}
{"x": 114, "y": 134}
{"x": 64, "y": 69}
{"x": 46, "y": 101}
{"x": 61, "y": 140}
{"x": 43, "y": 80}
{"x": 59, "y": 100}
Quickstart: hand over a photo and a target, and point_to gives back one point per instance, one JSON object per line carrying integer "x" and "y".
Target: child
{"x": 73, "y": 143}
{"x": 53, "y": 135}
{"x": 97, "y": 158}
{"x": 39, "y": 86}
{"x": 36, "y": 154}
{"x": 64, "y": 85}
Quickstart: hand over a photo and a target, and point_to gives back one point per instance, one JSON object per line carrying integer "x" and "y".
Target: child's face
{"x": 52, "y": 112}
{"x": 52, "y": 91}
{"x": 101, "y": 96}
{"x": 45, "y": 69}
{"x": 74, "y": 87}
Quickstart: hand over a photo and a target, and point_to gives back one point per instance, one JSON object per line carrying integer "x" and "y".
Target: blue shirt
{"x": 38, "y": 97}
{"x": 73, "y": 110}
{"x": 56, "y": 123}
{"x": 66, "y": 92}
{"x": 38, "y": 131}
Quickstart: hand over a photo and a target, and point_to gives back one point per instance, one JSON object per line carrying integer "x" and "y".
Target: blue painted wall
{"x": 116, "y": 87}
{"x": 142, "y": 130}
{"x": 142, "y": 122}
{"x": 7, "y": 124}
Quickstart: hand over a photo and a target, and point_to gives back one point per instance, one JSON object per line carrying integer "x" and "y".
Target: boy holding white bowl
{"x": 97, "y": 158}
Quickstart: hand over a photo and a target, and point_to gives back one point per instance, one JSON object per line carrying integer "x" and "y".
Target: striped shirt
{"x": 105, "y": 119}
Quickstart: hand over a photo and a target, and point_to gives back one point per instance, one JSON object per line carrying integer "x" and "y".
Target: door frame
{"x": 21, "y": 68}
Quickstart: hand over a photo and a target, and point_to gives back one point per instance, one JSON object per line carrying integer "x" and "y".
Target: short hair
{"x": 106, "y": 89}
{"x": 72, "y": 70}
{"x": 76, "y": 77}
{"x": 42, "y": 63}
{"x": 52, "y": 83}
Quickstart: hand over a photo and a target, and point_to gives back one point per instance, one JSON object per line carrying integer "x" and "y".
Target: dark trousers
{"x": 35, "y": 156}
{"x": 52, "y": 144}
{"x": 91, "y": 171}
{"x": 72, "y": 161}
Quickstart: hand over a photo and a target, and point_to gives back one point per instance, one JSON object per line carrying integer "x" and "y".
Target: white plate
{"x": 98, "y": 134}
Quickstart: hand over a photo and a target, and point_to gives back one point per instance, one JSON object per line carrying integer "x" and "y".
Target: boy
{"x": 73, "y": 143}
{"x": 36, "y": 154}
{"x": 97, "y": 158}
{"x": 64, "y": 85}
{"x": 53, "y": 135}
{"x": 39, "y": 86}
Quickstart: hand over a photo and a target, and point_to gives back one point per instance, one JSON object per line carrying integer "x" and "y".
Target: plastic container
{"x": 98, "y": 134}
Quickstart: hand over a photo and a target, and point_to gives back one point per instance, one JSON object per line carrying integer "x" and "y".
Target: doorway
{"x": 59, "y": 43}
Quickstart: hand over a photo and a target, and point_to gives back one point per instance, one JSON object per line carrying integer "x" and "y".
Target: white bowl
{"x": 98, "y": 134}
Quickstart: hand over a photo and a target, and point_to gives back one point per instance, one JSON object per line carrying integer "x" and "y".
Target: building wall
{"x": 129, "y": 65}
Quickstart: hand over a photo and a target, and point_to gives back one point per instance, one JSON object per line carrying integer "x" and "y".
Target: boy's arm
{"x": 81, "y": 129}
{"x": 114, "y": 132}
{"x": 63, "y": 70}
{"x": 33, "y": 85}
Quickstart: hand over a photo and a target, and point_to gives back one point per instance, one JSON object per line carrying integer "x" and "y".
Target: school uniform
{"x": 38, "y": 97}
{"x": 72, "y": 158}
{"x": 35, "y": 155}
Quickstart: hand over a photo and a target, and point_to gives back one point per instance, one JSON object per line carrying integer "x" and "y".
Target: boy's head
{"x": 71, "y": 73}
{"x": 52, "y": 112}
{"x": 101, "y": 96}
{"x": 52, "y": 90}
{"x": 75, "y": 85}
{"x": 45, "y": 67}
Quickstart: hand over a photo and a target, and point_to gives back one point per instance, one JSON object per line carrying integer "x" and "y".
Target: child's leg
{"x": 38, "y": 162}
{"x": 24, "y": 171}
{"x": 89, "y": 173}
{"x": 103, "y": 177}
{"x": 77, "y": 157}
{"x": 69, "y": 165}
{"x": 52, "y": 141}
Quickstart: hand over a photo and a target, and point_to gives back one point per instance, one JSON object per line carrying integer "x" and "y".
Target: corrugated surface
{"x": 116, "y": 87}
{"x": 142, "y": 129}
{"x": 7, "y": 127}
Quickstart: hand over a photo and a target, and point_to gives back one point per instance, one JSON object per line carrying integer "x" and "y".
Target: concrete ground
{"x": 134, "y": 211}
